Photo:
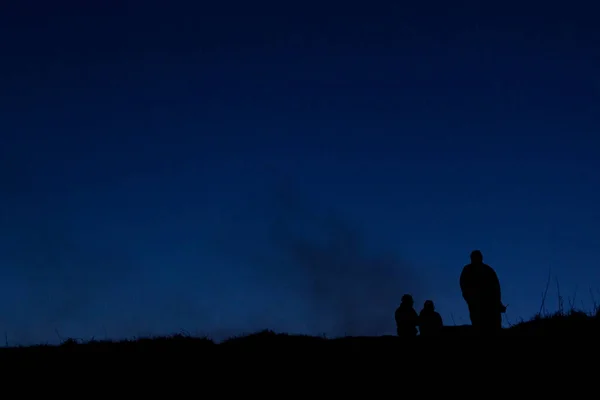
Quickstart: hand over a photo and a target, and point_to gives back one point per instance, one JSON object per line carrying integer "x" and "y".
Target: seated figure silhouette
{"x": 481, "y": 290}
{"x": 430, "y": 321}
{"x": 406, "y": 317}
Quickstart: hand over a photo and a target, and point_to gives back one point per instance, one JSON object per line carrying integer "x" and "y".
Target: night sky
{"x": 297, "y": 167}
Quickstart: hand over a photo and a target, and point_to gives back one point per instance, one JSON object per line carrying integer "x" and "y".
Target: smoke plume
{"x": 347, "y": 284}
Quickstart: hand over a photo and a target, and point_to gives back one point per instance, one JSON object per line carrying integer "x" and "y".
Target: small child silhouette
{"x": 406, "y": 317}
{"x": 430, "y": 321}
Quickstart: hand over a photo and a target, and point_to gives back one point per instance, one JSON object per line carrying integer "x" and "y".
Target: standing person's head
{"x": 476, "y": 257}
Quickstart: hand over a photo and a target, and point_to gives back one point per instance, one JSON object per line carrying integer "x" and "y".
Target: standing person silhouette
{"x": 480, "y": 288}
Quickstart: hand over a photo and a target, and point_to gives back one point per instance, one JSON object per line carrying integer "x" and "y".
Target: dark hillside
{"x": 566, "y": 325}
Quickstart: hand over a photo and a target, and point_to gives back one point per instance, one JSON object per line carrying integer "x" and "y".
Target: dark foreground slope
{"x": 572, "y": 325}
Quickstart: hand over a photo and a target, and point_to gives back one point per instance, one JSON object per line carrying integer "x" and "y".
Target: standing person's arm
{"x": 497, "y": 289}
{"x": 465, "y": 285}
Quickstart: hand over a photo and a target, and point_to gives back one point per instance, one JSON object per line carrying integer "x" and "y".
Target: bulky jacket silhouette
{"x": 430, "y": 321}
{"x": 481, "y": 290}
{"x": 406, "y": 317}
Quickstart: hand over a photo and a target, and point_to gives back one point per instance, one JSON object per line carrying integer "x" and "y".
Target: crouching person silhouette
{"x": 430, "y": 321}
{"x": 480, "y": 288}
{"x": 407, "y": 318}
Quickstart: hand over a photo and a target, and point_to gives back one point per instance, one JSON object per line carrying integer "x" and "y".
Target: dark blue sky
{"x": 294, "y": 167}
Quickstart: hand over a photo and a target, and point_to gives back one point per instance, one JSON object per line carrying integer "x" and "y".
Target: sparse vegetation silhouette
{"x": 562, "y": 323}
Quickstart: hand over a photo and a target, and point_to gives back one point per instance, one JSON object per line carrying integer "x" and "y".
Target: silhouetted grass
{"x": 573, "y": 323}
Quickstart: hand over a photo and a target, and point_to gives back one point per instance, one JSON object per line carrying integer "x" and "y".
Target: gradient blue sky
{"x": 231, "y": 168}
